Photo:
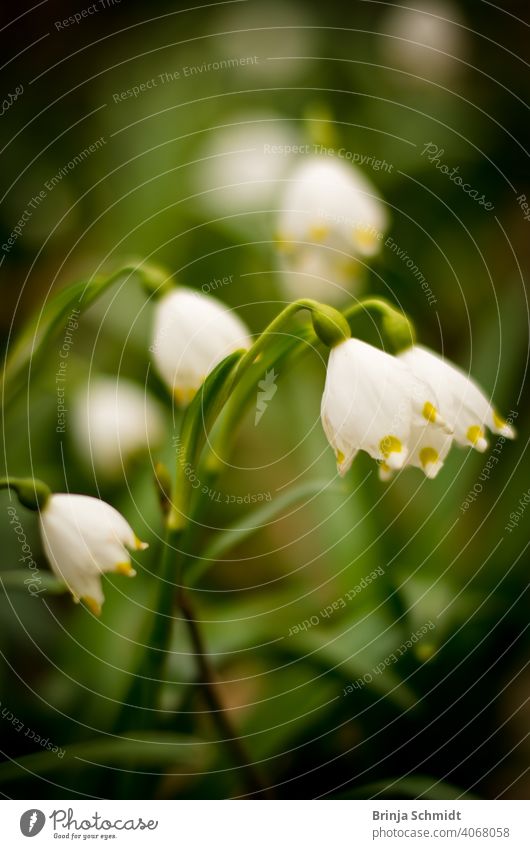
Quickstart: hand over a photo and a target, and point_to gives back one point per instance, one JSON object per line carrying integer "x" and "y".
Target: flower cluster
{"x": 402, "y": 410}
{"x": 330, "y": 218}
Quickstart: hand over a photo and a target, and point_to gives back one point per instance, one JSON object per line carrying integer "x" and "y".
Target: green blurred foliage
{"x": 438, "y": 717}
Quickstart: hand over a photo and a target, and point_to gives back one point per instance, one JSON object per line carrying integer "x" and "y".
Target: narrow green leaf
{"x": 158, "y": 749}
{"x": 198, "y": 420}
{"x": 253, "y": 521}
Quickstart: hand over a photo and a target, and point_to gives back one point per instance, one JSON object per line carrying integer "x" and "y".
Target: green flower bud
{"x": 330, "y": 325}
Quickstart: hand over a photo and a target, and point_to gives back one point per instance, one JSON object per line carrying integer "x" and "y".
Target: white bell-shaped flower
{"x": 192, "y": 334}
{"x": 241, "y": 168}
{"x": 372, "y": 402}
{"x": 425, "y": 39}
{"x": 461, "y": 402}
{"x": 330, "y": 215}
{"x": 84, "y": 537}
{"x": 114, "y": 420}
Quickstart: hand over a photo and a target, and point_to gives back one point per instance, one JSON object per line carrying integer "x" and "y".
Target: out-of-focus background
{"x": 167, "y": 133}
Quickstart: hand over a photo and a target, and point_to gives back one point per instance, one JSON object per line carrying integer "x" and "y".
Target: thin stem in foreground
{"x": 219, "y": 713}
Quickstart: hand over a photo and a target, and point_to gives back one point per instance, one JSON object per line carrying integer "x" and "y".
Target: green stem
{"x": 333, "y": 318}
{"x": 197, "y": 422}
{"x": 145, "y": 688}
{"x": 329, "y": 326}
{"x": 31, "y": 492}
{"x": 218, "y": 712}
{"x": 396, "y": 326}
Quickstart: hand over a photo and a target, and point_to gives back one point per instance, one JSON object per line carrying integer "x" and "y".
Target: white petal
{"x": 367, "y": 403}
{"x": 331, "y": 216}
{"x": 82, "y": 538}
{"x": 192, "y": 334}
{"x": 241, "y": 166}
{"x": 462, "y": 403}
{"x": 113, "y": 421}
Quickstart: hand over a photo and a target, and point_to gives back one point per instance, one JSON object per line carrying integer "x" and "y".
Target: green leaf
{"x": 159, "y": 749}
{"x": 352, "y": 650}
{"x": 254, "y": 521}
{"x": 20, "y": 579}
{"x": 412, "y": 787}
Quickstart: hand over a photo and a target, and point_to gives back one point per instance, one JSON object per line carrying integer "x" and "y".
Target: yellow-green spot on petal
{"x": 429, "y": 412}
{"x": 428, "y": 456}
{"x": 390, "y": 445}
{"x": 139, "y": 545}
{"x": 476, "y": 437}
{"x": 125, "y": 569}
{"x": 340, "y": 458}
{"x": 365, "y": 238}
{"x": 474, "y": 434}
{"x": 93, "y": 605}
{"x": 498, "y": 421}
{"x": 318, "y": 232}
{"x": 502, "y": 426}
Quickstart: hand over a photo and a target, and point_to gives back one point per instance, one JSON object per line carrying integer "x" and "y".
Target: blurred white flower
{"x": 84, "y": 537}
{"x": 113, "y": 421}
{"x": 241, "y": 165}
{"x": 462, "y": 404}
{"x": 330, "y": 216}
{"x": 372, "y": 402}
{"x": 423, "y": 40}
{"x": 192, "y": 334}
{"x": 280, "y": 35}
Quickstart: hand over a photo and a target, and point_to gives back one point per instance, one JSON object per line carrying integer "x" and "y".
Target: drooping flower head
{"x": 113, "y": 421}
{"x": 372, "y": 402}
{"x": 83, "y": 537}
{"x": 192, "y": 334}
{"x": 330, "y": 215}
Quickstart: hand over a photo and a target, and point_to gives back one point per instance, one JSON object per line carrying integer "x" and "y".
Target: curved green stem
{"x": 322, "y": 313}
{"x": 197, "y": 421}
{"x": 31, "y": 492}
{"x": 395, "y": 324}
{"x": 397, "y": 327}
